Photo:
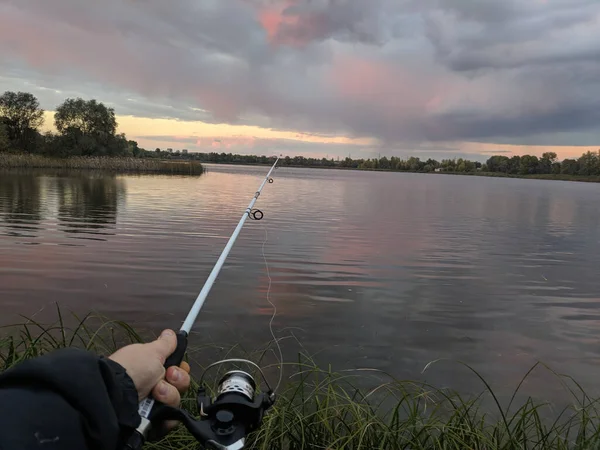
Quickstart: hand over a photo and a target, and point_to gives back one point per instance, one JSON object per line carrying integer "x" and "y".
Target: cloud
{"x": 475, "y": 35}
{"x": 298, "y": 23}
{"x": 400, "y": 72}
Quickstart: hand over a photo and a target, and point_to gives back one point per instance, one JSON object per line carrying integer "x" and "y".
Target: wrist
{"x": 124, "y": 396}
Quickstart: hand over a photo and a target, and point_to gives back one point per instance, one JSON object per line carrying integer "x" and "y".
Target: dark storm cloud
{"x": 396, "y": 70}
{"x": 471, "y": 35}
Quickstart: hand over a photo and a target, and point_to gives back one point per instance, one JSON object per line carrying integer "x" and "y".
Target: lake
{"x": 378, "y": 270}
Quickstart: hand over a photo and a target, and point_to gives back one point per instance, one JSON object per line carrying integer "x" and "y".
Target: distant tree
{"x": 384, "y": 163}
{"x": 22, "y": 116}
{"x": 134, "y": 149}
{"x": 556, "y": 168}
{"x": 414, "y": 164}
{"x": 4, "y": 141}
{"x": 368, "y": 164}
{"x": 432, "y": 163}
{"x": 546, "y": 161}
{"x": 589, "y": 164}
{"x": 514, "y": 165}
{"x": 88, "y": 117}
{"x": 529, "y": 165}
{"x": 498, "y": 164}
{"x": 448, "y": 165}
{"x": 569, "y": 167}
{"x": 89, "y": 128}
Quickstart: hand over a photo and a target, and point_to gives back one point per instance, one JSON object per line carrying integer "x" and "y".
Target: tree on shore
{"x": 88, "y": 117}
{"x": 21, "y": 115}
{"x": 4, "y": 141}
{"x": 88, "y": 128}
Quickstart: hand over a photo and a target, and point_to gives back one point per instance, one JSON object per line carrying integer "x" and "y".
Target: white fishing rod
{"x": 256, "y": 214}
{"x": 224, "y": 422}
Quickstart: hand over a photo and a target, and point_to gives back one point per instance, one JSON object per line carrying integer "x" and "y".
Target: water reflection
{"x": 20, "y": 204}
{"x": 81, "y": 205}
{"x": 87, "y": 205}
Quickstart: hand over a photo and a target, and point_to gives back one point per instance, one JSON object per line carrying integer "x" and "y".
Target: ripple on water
{"x": 389, "y": 271}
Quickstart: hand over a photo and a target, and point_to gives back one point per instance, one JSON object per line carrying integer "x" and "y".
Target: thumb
{"x": 165, "y": 344}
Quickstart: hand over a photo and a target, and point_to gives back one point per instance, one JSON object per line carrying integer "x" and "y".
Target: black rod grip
{"x": 176, "y": 357}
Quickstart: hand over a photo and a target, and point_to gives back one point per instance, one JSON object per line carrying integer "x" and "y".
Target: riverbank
{"x": 538, "y": 176}
{"x": 105, "y": 164}
{"x": 556, "y": 177}
{"x": 321, "y": 409}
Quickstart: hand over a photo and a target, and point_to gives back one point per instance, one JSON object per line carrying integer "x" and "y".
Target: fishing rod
{"x": 226, "y": 420}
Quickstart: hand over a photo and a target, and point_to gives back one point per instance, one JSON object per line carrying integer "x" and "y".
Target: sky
{"x": 320, "y": 78}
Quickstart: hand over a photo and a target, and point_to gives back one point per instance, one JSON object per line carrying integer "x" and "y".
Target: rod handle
{"x": 176, "y": 357}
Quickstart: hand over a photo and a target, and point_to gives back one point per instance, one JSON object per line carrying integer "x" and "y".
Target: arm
{"x": 73, "y": 399}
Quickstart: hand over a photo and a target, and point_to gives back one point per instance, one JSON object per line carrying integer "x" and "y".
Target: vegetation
{"x": 321, "y": 409}
{"x": 586, "y": 168}
{"x": 21, "y": 116}
{"x": 87, "y": 139}
{"x": 103, "y": 163}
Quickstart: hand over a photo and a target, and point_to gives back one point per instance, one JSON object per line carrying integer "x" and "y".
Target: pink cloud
{"x": 287, "y": 26}
{"x": 273, "y": 19}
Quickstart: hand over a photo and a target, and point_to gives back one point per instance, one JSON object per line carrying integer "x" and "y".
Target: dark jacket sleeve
{"x": 67, "y": 399}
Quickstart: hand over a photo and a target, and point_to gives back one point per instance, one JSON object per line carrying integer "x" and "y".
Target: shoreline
{"x": 553, "y": 177}
{"x": 324, "y": 409}
{"x": 115, "y": 165}
{"x": 131, "y": 165}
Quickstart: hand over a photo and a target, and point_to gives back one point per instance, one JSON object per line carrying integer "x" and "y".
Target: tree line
{"x": 587, "y": 164}
{"x": 89, "y": 128}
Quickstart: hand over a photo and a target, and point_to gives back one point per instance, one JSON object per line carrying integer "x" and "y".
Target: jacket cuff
{"x": 124, "y": 395}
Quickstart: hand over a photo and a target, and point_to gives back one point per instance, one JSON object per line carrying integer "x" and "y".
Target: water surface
{"x": 381, "y": 270}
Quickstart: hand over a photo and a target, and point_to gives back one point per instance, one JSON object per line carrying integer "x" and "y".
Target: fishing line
{"x": 274, "y": 311}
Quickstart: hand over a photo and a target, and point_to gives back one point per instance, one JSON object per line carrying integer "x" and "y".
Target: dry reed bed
{"x": 115, "y": 165}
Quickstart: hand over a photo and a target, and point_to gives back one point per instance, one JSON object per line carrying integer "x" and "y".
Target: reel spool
{"x": 225, "y": 421}
{"x": 237, "y": 381}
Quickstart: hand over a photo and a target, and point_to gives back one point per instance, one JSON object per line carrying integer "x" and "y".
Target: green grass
{"x": 320, "y": 409}
{"x": 115, "y": 165}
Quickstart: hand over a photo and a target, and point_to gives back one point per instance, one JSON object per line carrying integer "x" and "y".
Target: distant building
{"x": 439, "y": 169}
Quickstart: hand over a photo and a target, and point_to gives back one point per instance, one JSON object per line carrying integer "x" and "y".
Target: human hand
{"x": 144, "y": 364}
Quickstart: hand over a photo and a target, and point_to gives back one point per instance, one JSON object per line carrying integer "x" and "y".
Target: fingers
{"x": 165, "y": 344}
{"x": 179, "y": 378}
{"x": 185, "y": 366}
{"x": 166, "y": 393}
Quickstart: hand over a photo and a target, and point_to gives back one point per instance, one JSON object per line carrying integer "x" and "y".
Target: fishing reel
{"x": 225, "y": 421}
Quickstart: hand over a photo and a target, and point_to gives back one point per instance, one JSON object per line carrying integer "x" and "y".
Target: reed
{"x": 108, "y": 164}
{"x": 320, "y": 409}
